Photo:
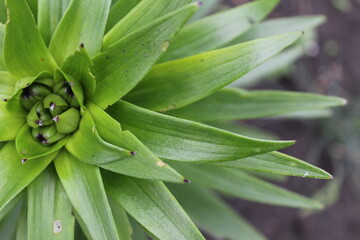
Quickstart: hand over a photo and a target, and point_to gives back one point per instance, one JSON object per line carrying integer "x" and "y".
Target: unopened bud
{"x": 38, "y": 116}
{"x": 68, "y": 121}
{"x": 47, "y": 135}
{"x": 31, "y": 95}
{"x": 55, "y": 103}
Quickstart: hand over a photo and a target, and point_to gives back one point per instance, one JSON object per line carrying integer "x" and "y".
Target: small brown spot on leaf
{"x": 160, "y": 163}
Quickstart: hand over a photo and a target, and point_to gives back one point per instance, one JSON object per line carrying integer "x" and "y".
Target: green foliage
{"x": 108, "y": 104}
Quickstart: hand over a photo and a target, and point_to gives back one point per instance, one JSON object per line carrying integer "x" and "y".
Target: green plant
{"x": 91, "y": 127}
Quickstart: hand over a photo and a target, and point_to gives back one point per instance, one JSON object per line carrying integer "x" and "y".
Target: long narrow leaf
{"x": 49, "y": 15}
{"x": 119, "y": 68}
{"x": 182, "y": 140}
{"x": 84, "y": 186}
{"x": 215, "y": 31}
{"x": 178, "y": 83}
{"x": 153, "y": 206}
{"x": 144, "y": 13}
{"x": 8, "y": 224}
{"x": 210, "y": 213}
{"x": 239, "y": 184}
{"x": 22, "y": 38}
{"x": 236, "y": 104}
{"x": 118, "y": 11}
{"x": 279, "y": 26}
{"x": 207, "y": 7}
{"x": 144, "y": 164}
{"x": 83, "y": 23}
{"x": 15, "y": 176}
{"x": 279, "y": 64}
{"x": 277, "y": 163}
{"x": 121, "y": 220}
{"x": 49, "y": 209}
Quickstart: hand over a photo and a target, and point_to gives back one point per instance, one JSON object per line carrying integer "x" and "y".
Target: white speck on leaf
{"x": 57, "y": 226}
{"x": 165, "y": 45}
{"x": 306, "y": 174}
{"x": 160, "y": 163}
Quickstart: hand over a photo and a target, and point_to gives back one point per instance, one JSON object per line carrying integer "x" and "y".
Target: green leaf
{"x": 277, "y": 163}
{"x": 121, "y": 220}
{"x": 2, "y": 38}
{"x": 215, "y": 31}
{"x": 84, "y": 187}
{"x": 139, "y": 232}
{"x": 144, "y": 164}
{"x": 182, "y": 140}
{"x": 119, "y": 68}
{"x": 78, "y": 67}
{"x": 21, "y": 230}
{"x": 152, "y": 205}
{"x": 239, "y": 184}
{"x": 211, "y": 214}
{"x": 207, "y": 7}
{"x": 22, "y": 38}
{"x": 10, "y": 124}
{"x": 178, "y": 83}
{"x": 306, "y": 114}
{"x": 235, "y": 104}
{"x": 8, "y": 224}
{"x": 11, "y": 205}
{"x": 83, "y": 23}
{"x": 33, "y": 4}
{"x": 15, "y": 176}
{"x": 49, "y": 15}
{"x": 279, "y": 64}
{"x": 49, "y": 209}
{"x": 244, "y": 129}
{"x": 147, "y": 11}
{"x": 7, "y": 85}
{"x": 3, "y": 15}
{"x": 280, "y": 26}
{"x": 118, "y": 11}
{"x": 29, "y": 148}
{"x": 87, "y": 145}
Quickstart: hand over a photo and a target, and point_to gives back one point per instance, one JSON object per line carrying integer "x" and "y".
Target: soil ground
{"x": 332, "y": 144}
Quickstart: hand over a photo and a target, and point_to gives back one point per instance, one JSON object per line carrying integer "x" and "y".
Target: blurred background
{"x": 331, "y": 66}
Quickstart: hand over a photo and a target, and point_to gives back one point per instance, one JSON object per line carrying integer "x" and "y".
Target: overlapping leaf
{"x": 178, "y": 83}
{"x": 22, "y": 38}
{"x": 210, "y": 213}
{"x": 118, "y": 11}
{"x": 153, "y": 206}
{"x": 215, "y": 31}
{"x": 277, "y": 163}
{"x": 279, "y": 26}
{"x": 144, "y": 13}
{"x": 15, "y": 176}
{"x": 83, "y": 23}
{"x": 239, "y": 184}
{"x": 87, "y": 145}
{"x": 49, "y": 209}
{"x": 84, "y": 187}
{"x": 181, "y": 140}
{"x": 119, "y": 68}
{"x": 236, "y": 104}
{"x": 49, "y": 15}
{"x": 144, "y": 164}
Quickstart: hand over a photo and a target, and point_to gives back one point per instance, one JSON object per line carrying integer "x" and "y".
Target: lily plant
{"x": 106, "y": 105}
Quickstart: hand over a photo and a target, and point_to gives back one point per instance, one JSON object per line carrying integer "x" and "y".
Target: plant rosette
{"x": 105, "y": 102}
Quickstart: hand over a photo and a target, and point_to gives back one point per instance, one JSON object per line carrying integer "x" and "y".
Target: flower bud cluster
{"x": 53, "y": 110}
